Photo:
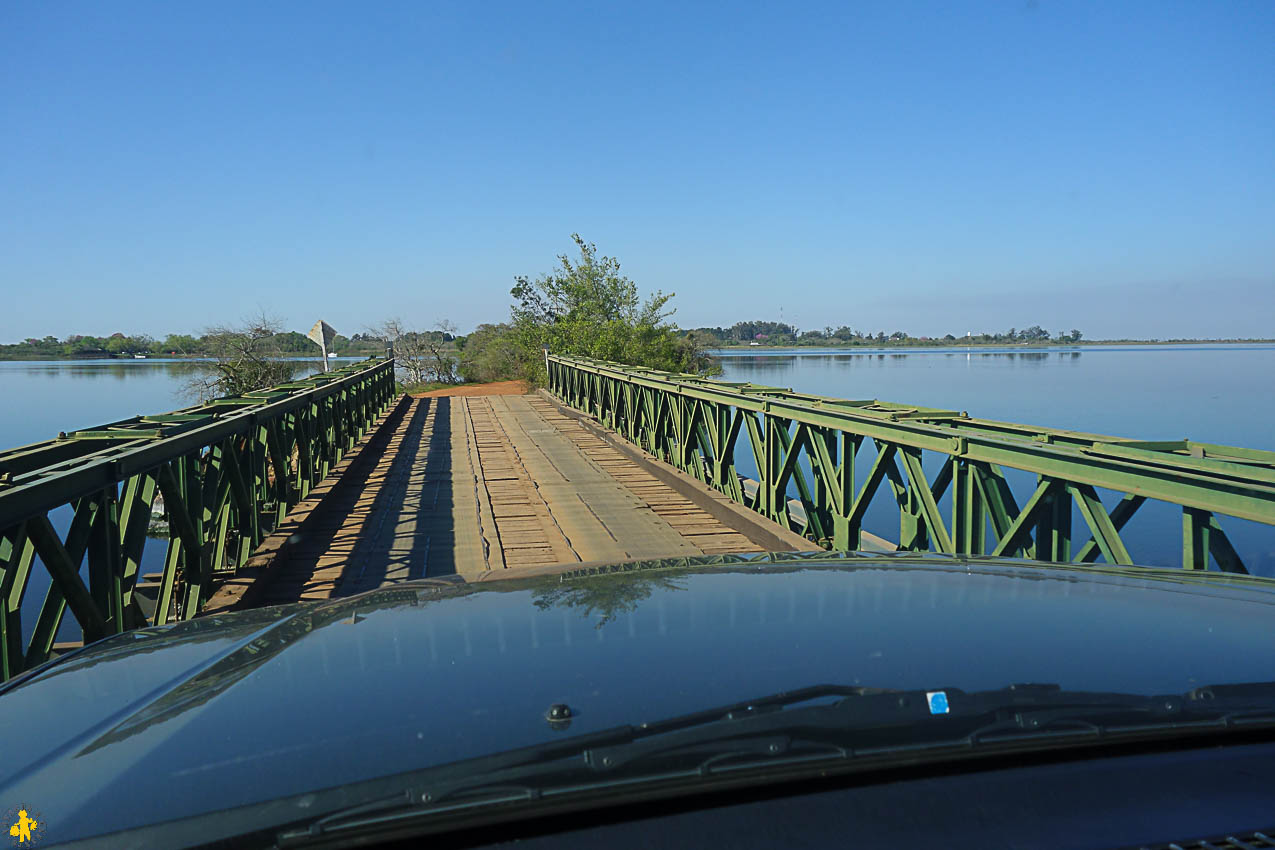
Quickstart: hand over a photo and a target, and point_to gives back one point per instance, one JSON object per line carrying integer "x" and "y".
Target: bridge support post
{"x": 969, "y": 518}
{"x": 845, "y": 532}
{"x": 1195, "y": 538}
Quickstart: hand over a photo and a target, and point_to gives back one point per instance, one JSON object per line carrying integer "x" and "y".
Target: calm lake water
{"x": 43, "y": 397}
{"x": 1211, "y": 393}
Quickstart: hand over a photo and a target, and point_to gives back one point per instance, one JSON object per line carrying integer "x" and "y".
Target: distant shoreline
{"x": 873, "y": 345}
{"x": 193, "y": 358}
{"x": 918, "y": 344}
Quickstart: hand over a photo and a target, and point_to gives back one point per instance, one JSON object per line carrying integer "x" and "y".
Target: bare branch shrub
{"x": 421, "y": 356}
{"x": 243, "y": 359}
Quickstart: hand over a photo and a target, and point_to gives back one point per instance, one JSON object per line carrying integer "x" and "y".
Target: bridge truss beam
{"x": 810, "y": 452}
{"x": 225, "y": 472}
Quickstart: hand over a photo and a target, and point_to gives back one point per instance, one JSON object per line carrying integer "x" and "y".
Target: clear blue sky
{"x": 929, "y": 167}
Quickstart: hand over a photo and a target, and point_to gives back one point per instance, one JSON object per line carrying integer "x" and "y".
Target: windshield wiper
{"x": 792, "y": 729}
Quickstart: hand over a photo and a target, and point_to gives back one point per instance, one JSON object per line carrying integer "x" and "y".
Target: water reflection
{"x": 117, "y": 370}
{"x": 44, "y": 397}
{"x": 124, "y": 370}
{"x": 245, "y": 659}
{"x": 787, "y": 360}
{"x": 607, "y": 595}
{"x": 1211, "y": 394}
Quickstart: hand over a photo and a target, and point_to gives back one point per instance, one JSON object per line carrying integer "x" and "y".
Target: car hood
{"x": 228, "y": 710}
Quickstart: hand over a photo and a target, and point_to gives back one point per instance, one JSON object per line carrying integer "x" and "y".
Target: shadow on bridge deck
{"x": 467, "y": 485}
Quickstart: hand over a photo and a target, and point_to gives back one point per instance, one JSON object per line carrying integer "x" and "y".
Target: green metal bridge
{"x": 76, "y": 511}
{"x": 813, "y": 444}
{"x": 227, "y": 472}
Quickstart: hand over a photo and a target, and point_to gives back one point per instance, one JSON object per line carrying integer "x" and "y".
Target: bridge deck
{"x": 470, "y": 484}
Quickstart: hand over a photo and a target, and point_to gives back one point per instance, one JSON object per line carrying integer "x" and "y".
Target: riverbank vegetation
{"x": 584, "y": 307}
{"x": 763, "y": 333}
{"x": 240, "y": 361}
{"x": 425, "y": 360}
{"x": 781, "y": 335}
{"x": 281, "y": 343}
{"x": 497, "y": 352}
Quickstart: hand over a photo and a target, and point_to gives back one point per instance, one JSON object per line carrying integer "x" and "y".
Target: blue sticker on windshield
{"x": 937, "y": 701}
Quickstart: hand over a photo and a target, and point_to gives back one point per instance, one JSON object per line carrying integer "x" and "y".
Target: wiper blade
{"x": 817, "y": 724}
{"x": 486, "y": 795}
{"x": 881, "y": 722}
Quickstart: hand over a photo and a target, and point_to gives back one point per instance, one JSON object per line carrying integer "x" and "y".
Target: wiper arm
{"x": 495, "y": 779}
{"x": 879, "y": 721}
{"x": 868, "y": 724}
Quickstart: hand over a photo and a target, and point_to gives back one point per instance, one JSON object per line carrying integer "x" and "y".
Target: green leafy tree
{"x": 292, "y": 342}
{"x": 490, "y": 353}
{"x": 758, "y": 330}
{"x": 604, "y": 597}
{"x": 587, "y": 308}
{"x": 119, "y": 344}
{"x": 1034, "y": 334}
{"x": 181, "y": 344}
{"x": 84, "y": 345}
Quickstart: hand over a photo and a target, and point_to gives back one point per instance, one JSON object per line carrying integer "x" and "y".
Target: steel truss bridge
{"x": 227, "y": 472}
{"x": 614, "y": 463}
{"x": 819, "y": 447}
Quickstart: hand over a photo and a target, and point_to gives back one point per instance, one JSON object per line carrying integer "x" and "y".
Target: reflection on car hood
{"x": 229, "y": 710}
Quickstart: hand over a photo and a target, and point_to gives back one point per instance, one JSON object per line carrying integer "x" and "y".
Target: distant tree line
{"x": 783, "y": 334}
{"x": 253, "y": 354}
{"x": 207, "y": 344}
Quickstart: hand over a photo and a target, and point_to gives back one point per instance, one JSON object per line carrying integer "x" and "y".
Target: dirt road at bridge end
{"x": 495, "y": 388}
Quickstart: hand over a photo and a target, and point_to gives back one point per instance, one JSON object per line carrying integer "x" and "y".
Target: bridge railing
{"x": 812, "y": 444}
{"x": 221, "y": 475}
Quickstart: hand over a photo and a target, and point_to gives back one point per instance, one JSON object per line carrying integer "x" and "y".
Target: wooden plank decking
{"x": 466, "y": 485}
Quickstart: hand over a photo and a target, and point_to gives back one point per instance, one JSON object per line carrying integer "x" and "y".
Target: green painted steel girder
{"x": 37, "y": 490}
{"x": 1245, "y": 490}
{"x": 794, "y": 435}
{"x": 227, "y": 471}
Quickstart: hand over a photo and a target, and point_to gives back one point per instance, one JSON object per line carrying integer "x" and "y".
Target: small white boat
{"x": 139, "y": 356}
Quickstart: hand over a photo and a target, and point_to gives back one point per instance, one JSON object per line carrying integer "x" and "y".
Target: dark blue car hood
{"x": 171, "y": 722}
